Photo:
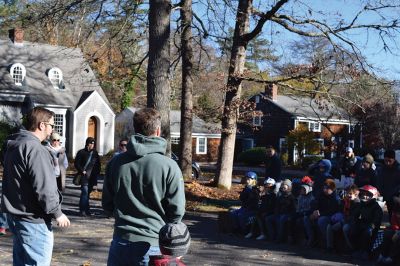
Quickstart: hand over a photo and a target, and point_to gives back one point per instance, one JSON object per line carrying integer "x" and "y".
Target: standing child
{"x": 366, "y": 222}
{"x": 284, "y": 209}
{"x": 323, "y": 173}
{"x": 249, "y": 198}
{"x": 174, "y": 242}
{"x": 266, "y": 207}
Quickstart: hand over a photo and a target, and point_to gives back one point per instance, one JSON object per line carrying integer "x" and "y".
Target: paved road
{"x": 88, "y": 239}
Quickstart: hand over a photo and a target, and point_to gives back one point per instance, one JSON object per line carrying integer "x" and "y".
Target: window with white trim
{"x": 59, "y": 123}
{"x": 175, "y": 140}
{"x": 314, "y": 126}
{"x": 201, "y": 145}
{"x": 18, "y": 73}
{"x": 55, "y": 76}
{"x": 257, "y": 120}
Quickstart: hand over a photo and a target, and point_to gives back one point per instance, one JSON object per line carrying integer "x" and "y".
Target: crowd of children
{"x": 281, "y": 211}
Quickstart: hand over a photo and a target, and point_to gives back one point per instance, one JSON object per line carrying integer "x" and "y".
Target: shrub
{"x": 254, "y": 156}
{"x": 5, "y": 130}
{"x": 284, "y": 158}
{"x": 308, "y": 160}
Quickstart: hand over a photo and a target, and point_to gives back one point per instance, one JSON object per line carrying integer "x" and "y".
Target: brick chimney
{"x": 271, "y": 91}
{"x": 16, "y": 36}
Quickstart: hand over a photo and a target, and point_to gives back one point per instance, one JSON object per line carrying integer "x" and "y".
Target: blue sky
{"x": 332, "y": 11}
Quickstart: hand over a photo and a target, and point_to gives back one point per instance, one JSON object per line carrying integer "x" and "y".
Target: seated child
{"x": 265, "y": 208}
{"x": 339, "y": 221}
{"x": 323, "y": 207}
{"x": 249, "y": 197}
{"x": 303, "y": 208}
{"x": 391, "y": 237}
{"x": 284, "y": 209}
{"x": 174, "y": 242}
{"x": 366, "y": 222}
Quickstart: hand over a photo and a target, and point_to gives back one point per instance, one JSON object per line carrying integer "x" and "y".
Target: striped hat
{"x": 174, "y": 239}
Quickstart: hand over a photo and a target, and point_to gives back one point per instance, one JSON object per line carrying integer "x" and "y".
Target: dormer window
{"x": 18, "y": 73}
{"x": 55, "y": 76}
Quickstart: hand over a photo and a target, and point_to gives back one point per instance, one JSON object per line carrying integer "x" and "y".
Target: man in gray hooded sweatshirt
{"x": 144, "y": 190}
{"x": 30, "y": 196}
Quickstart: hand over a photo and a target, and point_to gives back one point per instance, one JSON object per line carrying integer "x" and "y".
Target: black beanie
{"x": 390, "y": 154}
{"x": 90, "y": 140}
{"x": 174, "y": 239}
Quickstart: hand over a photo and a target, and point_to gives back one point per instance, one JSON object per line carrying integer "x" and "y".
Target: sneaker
{"x": 2, "y": 231}
{"x": 261, "y": 237}
{"x": 380, "y": 258}
{"x": 249, "y": 235}
{"x": 83, "y": 214}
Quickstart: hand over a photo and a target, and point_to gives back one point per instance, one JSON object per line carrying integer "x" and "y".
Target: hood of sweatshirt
{"x": 326, "y": 164}
{"x": 140, "y": 145}
{"x": 15, "y": 139}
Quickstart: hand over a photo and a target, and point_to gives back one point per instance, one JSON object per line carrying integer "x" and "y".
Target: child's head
{"x": 286, "y": 186}
{"x": 269, "y": 184}
{"x": 251, "y": 178}
{"x": 329, "y": 186}
{"x": 368, "y": 193}
{"x": 174, "y": 239}
{"x": 352, "y": 192}
{"x": 324, "y": 166}
{"x": 305, "y": 189}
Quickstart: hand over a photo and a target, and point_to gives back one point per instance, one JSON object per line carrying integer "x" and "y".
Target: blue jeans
{"x": 240, "y": 219}
{"x": 32, "y": 243}
{"x": 3, "y": 220}
{"x": 84, "y": 199}
{"x": 125, "y": 253}
{"x": 323, "y": 222}
{"x": 276, "y": 225}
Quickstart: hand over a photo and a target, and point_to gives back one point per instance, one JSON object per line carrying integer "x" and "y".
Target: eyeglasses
{"x": 56, "y": 140}
{"x": 48, "y": 124}
{"x": 123, "y": 144}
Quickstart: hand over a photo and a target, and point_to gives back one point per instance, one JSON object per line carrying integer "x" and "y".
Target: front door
{"x": 92, "y": 128}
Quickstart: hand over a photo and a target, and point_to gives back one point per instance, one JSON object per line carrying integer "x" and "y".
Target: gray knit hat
{"x": 174, "y": 239}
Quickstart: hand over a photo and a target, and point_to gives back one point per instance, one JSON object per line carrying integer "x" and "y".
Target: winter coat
{"x": 144, "y": 190}
{"x": 304, "y": 202}
{"x": 349, "y": 166}
{"x": 249, "y": 198}
{"x": 285, "y": 204}
{"x": 389, "y": 181}
{"x": 273, "y": 167}
{"x": 267, "y": 205}
{"x": 349, "y": 207}
{"x": 368, "y": 214}
{"x": 327, "y": 205}
{"x": 92, "y": 169}
{"x": 320, "y": 177}
{"x": 365, "y": 177}
{"x": 29, "y": 187}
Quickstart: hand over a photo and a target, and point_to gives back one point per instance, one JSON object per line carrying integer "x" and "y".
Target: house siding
{"x": 212, "y": 150}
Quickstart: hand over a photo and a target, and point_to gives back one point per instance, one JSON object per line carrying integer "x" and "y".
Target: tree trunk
{"x": 232, "y": 96}
{"x": 158, "y": 87}
{"x": 187, "y": 91}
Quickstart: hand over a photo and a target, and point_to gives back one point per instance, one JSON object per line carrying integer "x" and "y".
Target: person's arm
{"x": 78, "y": 162}
{"x": 41, "y": 173}
{"x": 107, "y": 200}
{"x": 174, "y": 200}
{"x": 65, "y": 162}
{"x": 378, "y": 215}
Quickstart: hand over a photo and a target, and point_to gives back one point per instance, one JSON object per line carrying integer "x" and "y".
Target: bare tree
{"x": 187, "y": 90}
{"x": 158, "y": 86}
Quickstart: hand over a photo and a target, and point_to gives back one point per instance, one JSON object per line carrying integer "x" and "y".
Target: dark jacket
{"x": 349, "y": 166}
{"x": 389, "y": 181}
{"x": 304, "y": 201}
{"x": 365, "y": 177}
{"x": 249, "y": 198}
{"x": 327, "y": 205}
{"x": 285, "y": 204}
{"x": 144, "y": 189}
{"x": 92, "y": 169}
{"x": 267, "y": 205}
{"x": 368, "y": 214}
{"x": 273, "y": 167}
{"x": 320, "y": 177}
{"x": 29, "y": 186}
{"x": 349, "y": 207}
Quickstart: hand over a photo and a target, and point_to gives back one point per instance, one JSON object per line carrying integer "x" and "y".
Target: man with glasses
{"x": 30, "y": 196}
{"x": 121, "y": 147}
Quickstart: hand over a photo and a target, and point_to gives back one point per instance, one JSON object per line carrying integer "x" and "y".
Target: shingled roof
{"x": 38, "y": 59}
